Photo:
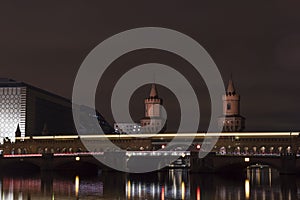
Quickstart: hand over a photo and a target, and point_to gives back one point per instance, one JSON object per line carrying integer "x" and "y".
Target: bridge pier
{"x": 116, "y": 159}
{"x": 203, "y": 165}
{"x": 47, "y": 163}
{"x": 212, "y": 163}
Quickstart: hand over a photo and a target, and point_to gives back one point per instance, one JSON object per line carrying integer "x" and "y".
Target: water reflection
{"x": 247, "y": 189}
{"x": 76, "y": 186}
{"x": 257, "y": 184}
{"x": 173, "y": 184}
{"x": 198, "y": 193}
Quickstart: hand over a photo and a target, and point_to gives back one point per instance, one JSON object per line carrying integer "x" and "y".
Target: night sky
{"x": 43, "y": 43}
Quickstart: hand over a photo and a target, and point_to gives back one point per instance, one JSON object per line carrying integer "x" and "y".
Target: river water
{"x": 256, "y": 183}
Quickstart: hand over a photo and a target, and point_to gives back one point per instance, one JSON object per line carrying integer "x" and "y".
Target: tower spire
{"x": 230, "y": 88}
{"x": 153, "y": 92}
{"x": 231, "y": 121}
{"x": 153, "y": 121}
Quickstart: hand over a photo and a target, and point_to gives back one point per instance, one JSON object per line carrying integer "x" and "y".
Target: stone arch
{"x": 298, "y": 150}
{"x": 254, "y": 149}
{"x": 179, "y": 147}
{"x": 229, "y": 149}
{"x": 40, "y": 150}
{"x": 19, "y": 150}
{"x": 246, "y": 150}
{"x": 24, "y": 150}
{"x": 271, "y": 149}
{"x": 222, "y": 150}
{"x": 17, "y": 165}
{"x": 279, "y": 149}
{"x": 262, "y": 149}
{"x": 288, "y": 149}
{"x": 238, "y": 164}
{"x": 81, "y": 166}
{"x": 237, "y": 150}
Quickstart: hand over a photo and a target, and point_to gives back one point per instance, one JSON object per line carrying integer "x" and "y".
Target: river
{"x": 256, "y": 183}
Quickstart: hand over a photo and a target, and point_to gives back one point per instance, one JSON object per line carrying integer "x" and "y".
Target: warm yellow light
{"x": 66, "y": 137}
{"x": 182, "y": 190}
{"x": 171, "y": 135}
{"x": 77, "y": 158}
{"x": 247, "y": 159}
{"x": 128, "y": 189}
{"x": 247, "y": 188}
{"x": 76, "y": 186}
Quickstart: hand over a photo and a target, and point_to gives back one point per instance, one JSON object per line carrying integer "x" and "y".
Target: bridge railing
{"x": 257, "y": 154}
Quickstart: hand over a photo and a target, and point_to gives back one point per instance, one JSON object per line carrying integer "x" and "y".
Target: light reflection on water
{"x": 256, "y": 184}
{"x": 173, "y": 184}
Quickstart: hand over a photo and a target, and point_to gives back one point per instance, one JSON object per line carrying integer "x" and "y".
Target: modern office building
{"x": 231, "y": 120}
{"x": 27, "y": 111}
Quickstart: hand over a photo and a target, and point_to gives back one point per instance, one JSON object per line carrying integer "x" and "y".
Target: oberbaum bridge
{"x": 27, "y": 109}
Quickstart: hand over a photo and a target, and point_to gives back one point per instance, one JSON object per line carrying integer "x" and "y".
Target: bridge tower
{"x": 231, "y": 120}
{"x": 152, "y": 122}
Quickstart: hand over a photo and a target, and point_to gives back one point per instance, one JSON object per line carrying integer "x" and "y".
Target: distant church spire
{"x": 18, "y": 131}
{"x": 153, "y": 92}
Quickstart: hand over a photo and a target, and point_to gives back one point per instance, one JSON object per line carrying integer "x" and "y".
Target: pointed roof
{"x": 153, "y": 92}
{"x": 230, "y": 87}
{"x": 18, "y": 131}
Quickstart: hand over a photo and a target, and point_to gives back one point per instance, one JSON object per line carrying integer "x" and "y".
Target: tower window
{"x": 228, "y": 106}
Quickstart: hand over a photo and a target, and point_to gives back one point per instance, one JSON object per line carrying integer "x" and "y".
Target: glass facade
{"x": 12, "y": 111}
{"x": 36, "y": 112}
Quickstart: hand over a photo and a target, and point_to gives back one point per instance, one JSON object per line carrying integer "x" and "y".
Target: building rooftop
{"x": 7, "y": 82}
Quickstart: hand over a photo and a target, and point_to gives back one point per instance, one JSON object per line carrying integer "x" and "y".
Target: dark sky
{"x": 43, "y": 43}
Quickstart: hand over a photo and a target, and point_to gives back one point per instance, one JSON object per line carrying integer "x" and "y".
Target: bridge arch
{"x": 238, "y": 164}
{"x": 77, "y": 167}
{"x": 84, "y": 164}
{"x": 17, "y": 165}
{"x": 239, "y": 167}
{"x": 256, "y": 149}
